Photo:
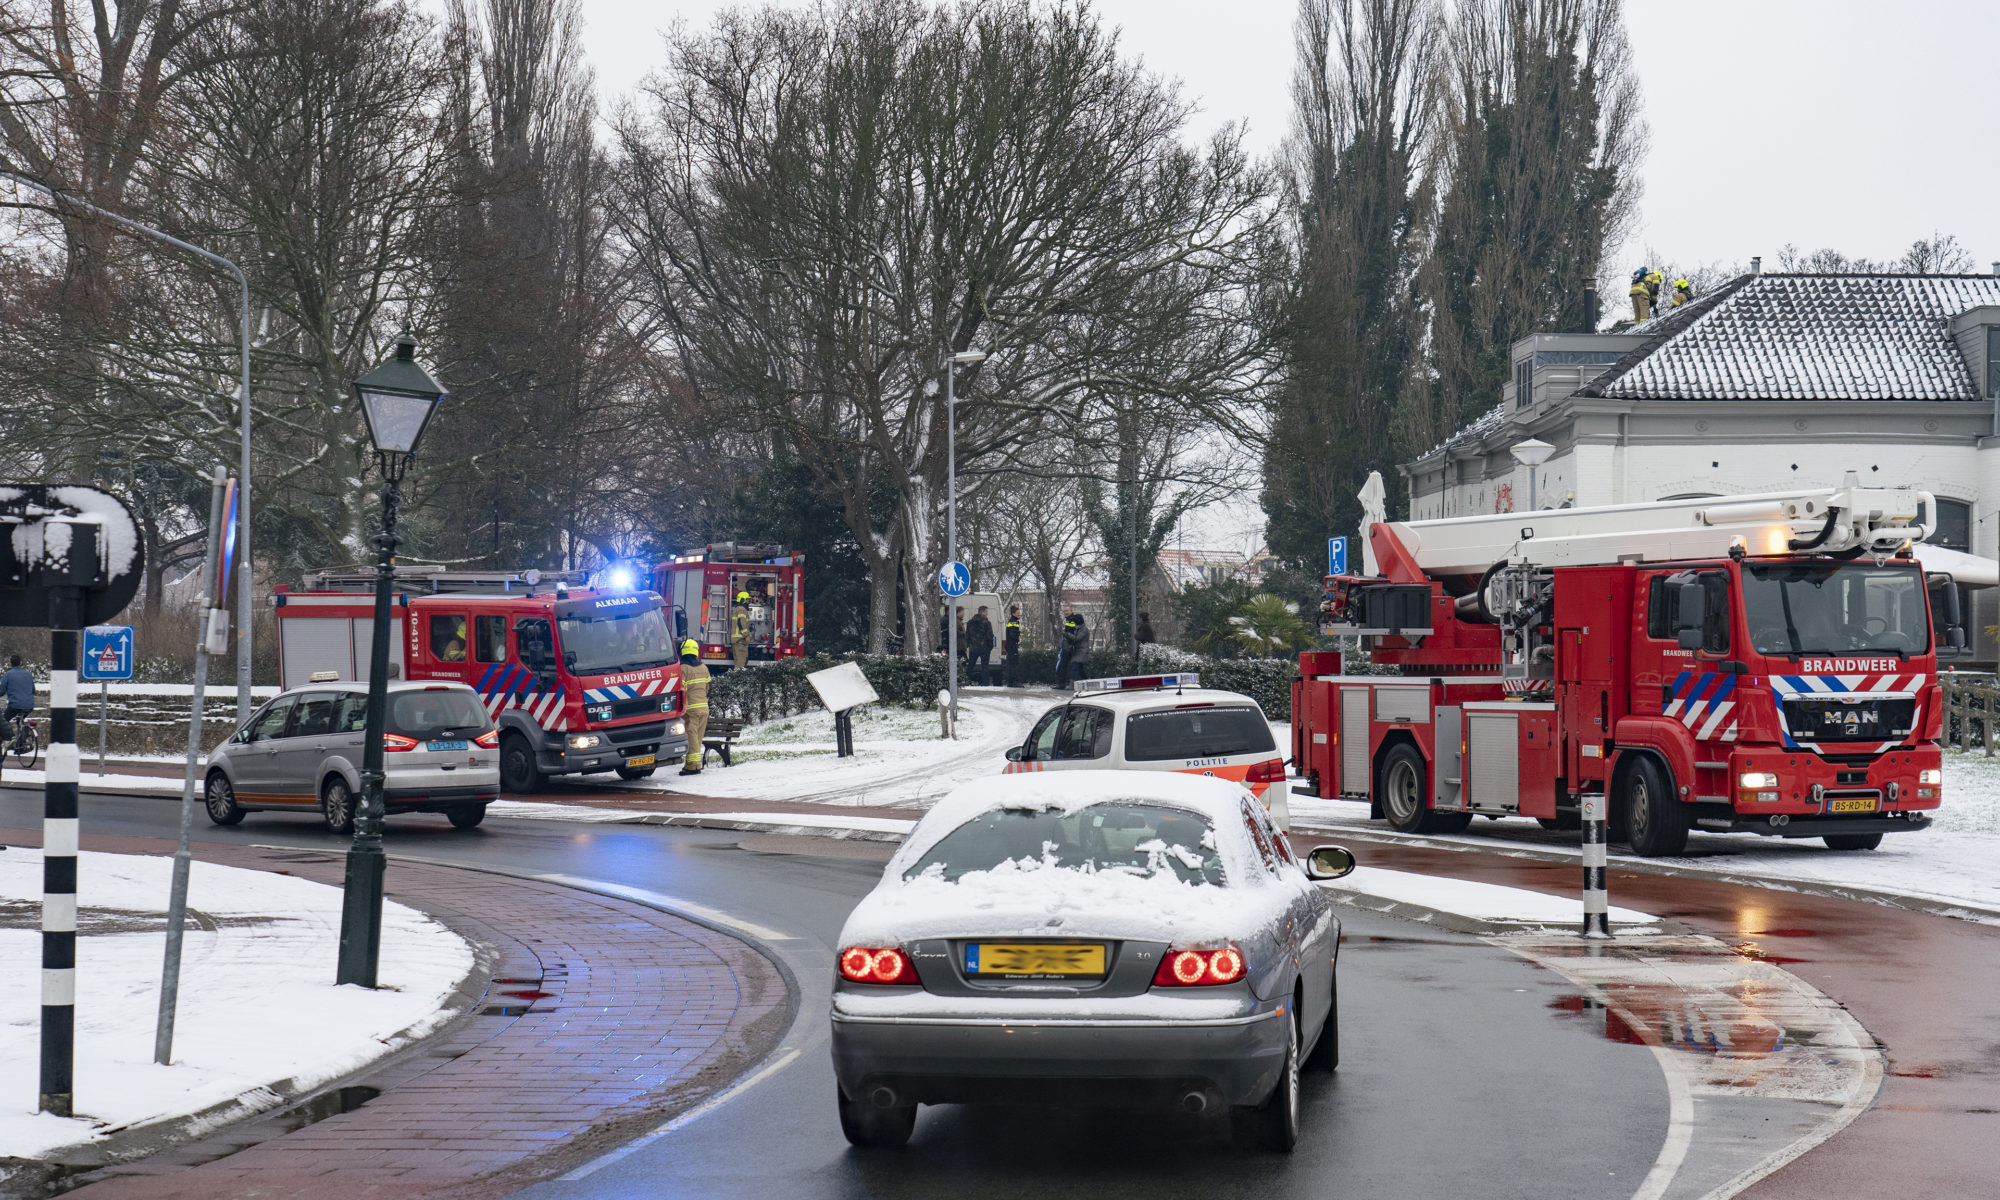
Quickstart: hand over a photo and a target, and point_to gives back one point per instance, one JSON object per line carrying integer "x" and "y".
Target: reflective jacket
{"x": 694, "y": 680}
{"x": 739, "y": 624}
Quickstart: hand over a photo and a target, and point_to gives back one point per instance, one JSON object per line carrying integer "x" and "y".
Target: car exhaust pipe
{"x": 1194, "y": 1102}
{"x": 883, "y": 1097}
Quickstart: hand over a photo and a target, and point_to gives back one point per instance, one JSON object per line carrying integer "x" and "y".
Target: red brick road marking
{"x": 630, "y": 1016}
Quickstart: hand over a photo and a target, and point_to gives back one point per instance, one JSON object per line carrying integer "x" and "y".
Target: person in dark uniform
{"x": 978, "y": 647}
{"x": 1074, "y": 658}
{"x": 1146, "y": 637}
{"x": 1010, "y": 647}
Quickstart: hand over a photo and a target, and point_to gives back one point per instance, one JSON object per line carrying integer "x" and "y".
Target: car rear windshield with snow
{"x": 1138, "y": 840}
{"x": 1197, "y": 733}
{"x": 444, "y": 713}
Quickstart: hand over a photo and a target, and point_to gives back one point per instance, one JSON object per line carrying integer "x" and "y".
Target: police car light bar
{"x": 1134, "y": 683}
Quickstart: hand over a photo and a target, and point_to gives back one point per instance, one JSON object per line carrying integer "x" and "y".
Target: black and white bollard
{"x": 59, "y": 839}
{"x": 1596, "y": 900}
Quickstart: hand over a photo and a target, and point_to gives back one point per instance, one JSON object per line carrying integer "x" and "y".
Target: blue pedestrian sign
{"x": 954, "y": 579}
{"x": 1336, "y": 556}
{"x": 107, "y": 653}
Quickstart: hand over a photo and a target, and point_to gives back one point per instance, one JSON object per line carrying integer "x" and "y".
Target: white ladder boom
{"x": 1810, "y": 521}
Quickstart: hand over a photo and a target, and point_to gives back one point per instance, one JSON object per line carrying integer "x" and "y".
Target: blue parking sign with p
{"x": 1336, "y": 556}
{"x": 107, "y": 653}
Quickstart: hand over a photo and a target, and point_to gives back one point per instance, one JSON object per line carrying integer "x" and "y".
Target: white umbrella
{"x": 1374, "y": 508}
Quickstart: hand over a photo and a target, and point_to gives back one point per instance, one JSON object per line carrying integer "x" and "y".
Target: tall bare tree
{"x": 821, "y": 206}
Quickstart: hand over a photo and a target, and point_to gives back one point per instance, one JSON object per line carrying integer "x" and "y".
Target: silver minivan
{"x": 302, "y": 752}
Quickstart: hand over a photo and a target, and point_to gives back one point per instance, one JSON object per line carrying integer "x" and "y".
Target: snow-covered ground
{"x": 900, "y": 759}
{"x": 257, "y": 1001}
{"x": 1955, "y": 861}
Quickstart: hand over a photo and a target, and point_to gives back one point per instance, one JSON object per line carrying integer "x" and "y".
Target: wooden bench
{"x": 721, "y": 733}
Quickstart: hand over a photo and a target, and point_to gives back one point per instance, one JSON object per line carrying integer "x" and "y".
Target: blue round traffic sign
{"x": 954, "y": 579}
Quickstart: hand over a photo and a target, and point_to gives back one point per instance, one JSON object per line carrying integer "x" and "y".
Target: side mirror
{"x": 1013, "y": 754}
{"x": 1693, "y": 615}
{"x": 1329, "y": 862}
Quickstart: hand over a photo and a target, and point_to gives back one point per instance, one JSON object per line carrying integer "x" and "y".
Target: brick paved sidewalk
{"x": 602, "y": 1018}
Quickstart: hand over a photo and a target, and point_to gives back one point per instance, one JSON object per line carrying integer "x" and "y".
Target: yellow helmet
{"x": 1682, "y": 285}
{"x": 743, "y": 596}
{"x": 690, "y": 649}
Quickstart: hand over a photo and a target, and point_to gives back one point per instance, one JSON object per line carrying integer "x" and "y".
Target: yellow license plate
{"x": 640, "y": 760}
{"x": 1015, "y": 960}
{"x": 1859, "y": 804}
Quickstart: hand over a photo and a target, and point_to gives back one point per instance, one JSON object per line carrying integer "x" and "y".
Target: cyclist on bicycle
{"x": 18, "y": 687}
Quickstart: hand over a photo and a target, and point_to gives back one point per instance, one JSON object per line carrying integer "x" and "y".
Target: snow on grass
{"x": 1955, "y": 862}
{"x": 90, "y": 779}
{"x": 257, "y": 1001}
{"x": 899, "y": 758}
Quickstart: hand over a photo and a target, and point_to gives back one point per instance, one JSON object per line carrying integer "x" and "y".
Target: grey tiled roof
{"x": 1808, "y": 337}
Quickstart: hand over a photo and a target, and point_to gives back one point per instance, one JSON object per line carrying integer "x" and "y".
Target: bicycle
{"x": 23, "y": 746}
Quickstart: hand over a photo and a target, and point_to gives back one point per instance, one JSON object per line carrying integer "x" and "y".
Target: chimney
{"x": 1996, "y": 266}
{"x": 1590, "y": 304}
{"x": 1756, "y": 265}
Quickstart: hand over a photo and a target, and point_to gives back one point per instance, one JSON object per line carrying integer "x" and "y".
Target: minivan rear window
{"x": 427, "y": 714}
{"x": 1197, "y": 733}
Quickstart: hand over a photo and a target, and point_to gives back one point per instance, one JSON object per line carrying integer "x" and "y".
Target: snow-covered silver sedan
{"x": 1108, "y": 937}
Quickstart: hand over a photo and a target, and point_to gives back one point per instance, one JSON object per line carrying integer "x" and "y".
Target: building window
{"x": 1524, "y": 382}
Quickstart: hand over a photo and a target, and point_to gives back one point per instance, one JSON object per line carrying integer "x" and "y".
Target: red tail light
{"x": 1271, "y": 770}
{"x": 392, "y": 742}
{"x": 866, "y": 964}
{"x": 490, "y": 740}
{"x": 1199, "y": 968}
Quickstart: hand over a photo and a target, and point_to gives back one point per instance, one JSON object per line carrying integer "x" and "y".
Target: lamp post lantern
{"x": 1533, "y": 453}
{"x": 962, "y": 358}
{"x": 398, "y": 400}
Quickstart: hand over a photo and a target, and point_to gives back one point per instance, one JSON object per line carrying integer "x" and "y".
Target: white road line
{"x": 1680, "y": 1121}
{"x": 783, "y": 1059}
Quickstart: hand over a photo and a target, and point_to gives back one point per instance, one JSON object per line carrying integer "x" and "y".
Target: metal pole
{"x": 361, "y": 906}
{"x": 59, "y": 845}
{"x": 103, "y": 719}
{"x": 1596, "y": 906}
{"x": 170, "y": 966}
{"x": 951, "y": 530}
{"x": 244, "y": 574}
{"x": 1132, "y": 562}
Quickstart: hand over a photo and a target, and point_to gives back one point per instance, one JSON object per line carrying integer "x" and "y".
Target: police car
{"x": 1159, "y": 723}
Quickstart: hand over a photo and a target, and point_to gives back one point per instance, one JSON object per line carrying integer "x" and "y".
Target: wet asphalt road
{"x": 1462, "y": 1073}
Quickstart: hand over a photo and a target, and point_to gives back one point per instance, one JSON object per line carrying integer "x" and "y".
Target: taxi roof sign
{"x": 322, "y": 677}
{"x": 1136, "y": 683}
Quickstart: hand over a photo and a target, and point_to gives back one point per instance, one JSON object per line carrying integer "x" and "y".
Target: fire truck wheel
{"x": 336, "y": 806}
{"x": 1402, "y": 782}
{"x": 634, "y": 772}
{"x": 1657, "y": 818}
{"x": 220, "y": 800}
{"x": 1852, "y": 841}
{"x": 518, "y": 772}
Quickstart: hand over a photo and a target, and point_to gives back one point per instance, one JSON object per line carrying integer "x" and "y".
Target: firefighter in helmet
{"x": 1642, "y": 296}
{"x": 739, "y": 631}
{"x": 1683, "y": 292}
{"x": 694, "y": 681}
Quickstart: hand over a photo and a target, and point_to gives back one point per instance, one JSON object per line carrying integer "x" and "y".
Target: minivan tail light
{"x": 392, "y": 742}
{"x": 869, "y": 964}
{"x": 1271, "y": 770}
{"x": 1199, "y": 968}
{"x": 489, "y": 740}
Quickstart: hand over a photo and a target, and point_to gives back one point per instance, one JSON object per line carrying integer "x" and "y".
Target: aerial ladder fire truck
{"x": 1761, "y": 663}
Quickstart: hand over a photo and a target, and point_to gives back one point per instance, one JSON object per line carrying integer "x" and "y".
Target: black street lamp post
{"x": 398, "y": 399}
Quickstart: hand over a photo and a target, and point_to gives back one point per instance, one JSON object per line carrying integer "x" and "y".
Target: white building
{"x": 1771, "y": 382}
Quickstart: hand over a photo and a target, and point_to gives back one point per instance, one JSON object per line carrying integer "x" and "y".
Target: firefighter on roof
{"x": 694, "y": 680}
{"x": 1683, "y": 292}
{"x": 739, "y": 630}
{"x": 1642, "y": 299}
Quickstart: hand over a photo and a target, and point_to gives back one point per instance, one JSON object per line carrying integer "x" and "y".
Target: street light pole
{"x": 244, "y": 574}
{"x": 1531, "y": 453}
{"x": 969, "y": 358}
{"x": 398, "y": 400}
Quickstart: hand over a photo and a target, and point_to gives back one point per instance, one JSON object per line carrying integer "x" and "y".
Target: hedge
{"x": 764, "y": 691}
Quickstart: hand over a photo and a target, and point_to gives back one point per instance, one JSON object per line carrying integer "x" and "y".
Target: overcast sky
{"x": 1856, "y": 124}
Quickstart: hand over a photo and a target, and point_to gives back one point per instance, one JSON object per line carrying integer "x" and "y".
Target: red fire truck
{"x": 1761, "y": 663}
{"x": 700, "y": 587}
{"x": 577, "y": 680}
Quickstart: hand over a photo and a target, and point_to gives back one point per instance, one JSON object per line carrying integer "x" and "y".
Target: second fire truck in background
{"x": 700, "y": 587}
